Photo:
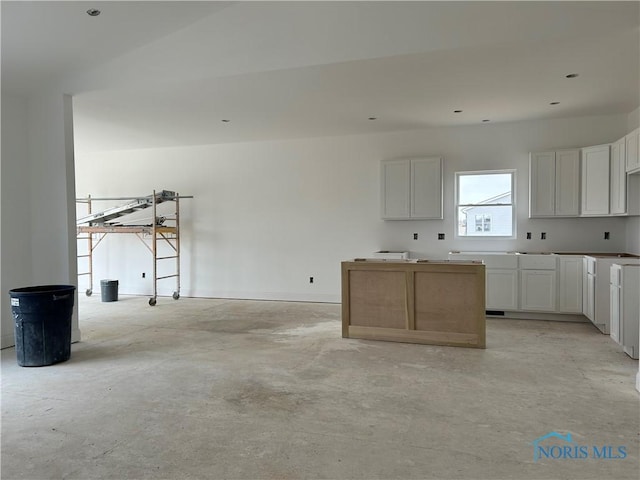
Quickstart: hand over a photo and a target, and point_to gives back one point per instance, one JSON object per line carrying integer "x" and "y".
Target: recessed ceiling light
{"x": 93, "y": 12}
{"x": 224, "y": 120}
{"x": 457, "y": 111}
{"x": 554, "y": 103}
{"x": 373, "y": 118}
{"x": 486, "y": 120}
{"x": 572, "y": 75}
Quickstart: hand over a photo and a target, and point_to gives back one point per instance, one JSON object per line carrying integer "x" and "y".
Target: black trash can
{"x": 109, "y": 290}
{"x": 42, "y": 323}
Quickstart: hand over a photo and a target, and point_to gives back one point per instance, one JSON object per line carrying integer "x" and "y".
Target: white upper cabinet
{"x": 618, "y": 193}
{"x": 567, "y": 183}
{"x": 595, "y": 180}
{"x": 426, "y": 188}
{"x": 396, "y": 189}
{"x": 411, "y": 189}
{"x": 542, "y": 184}
{"x": 632, "y": 154}
{"x": 554, "y": 184}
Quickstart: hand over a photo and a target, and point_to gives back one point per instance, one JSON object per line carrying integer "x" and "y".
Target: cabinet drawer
{"x": 503, "y": 261}
{"x": 538, "y": 262}
{"x": 500, "y": 261}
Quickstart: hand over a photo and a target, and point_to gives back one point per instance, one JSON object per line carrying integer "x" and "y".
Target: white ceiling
{"x": 155, "y": 74}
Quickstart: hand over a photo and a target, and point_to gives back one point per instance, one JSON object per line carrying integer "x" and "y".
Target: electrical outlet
{"x": 606, "y": 235}
{"x": 528, "y": 235}
{"x": 441, "y": 236}
{"x": 310, "y": 279}
{"x": 543, "y": 236}
{"x": 144, "y": 275}
{"x": 415, "y": 236}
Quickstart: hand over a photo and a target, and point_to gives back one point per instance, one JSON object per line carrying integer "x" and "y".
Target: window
{"x": 483, "y": 223}
{"x": 484, "y": 204}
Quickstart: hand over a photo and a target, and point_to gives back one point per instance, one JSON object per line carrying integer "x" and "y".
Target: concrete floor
{"x": 217, "y": 389}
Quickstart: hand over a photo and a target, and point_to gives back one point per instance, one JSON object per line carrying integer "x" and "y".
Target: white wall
{"x": 38, "y": 215}
{"x": 16, "y": 211}
{"x": 51, "y": 164}
{"x": 633, "y": 235}
{"x": 633, "y": 121}
{"x": 268, "y": 215}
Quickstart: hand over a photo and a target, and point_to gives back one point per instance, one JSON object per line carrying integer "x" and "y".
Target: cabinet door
{"x": 590, "y": 301}
{"x": 542, "y": 184}
{"x": 426, "y": 188}
{"x": 618, "y": 192}
{"x": 585, "y": 307}
{"x": 538, "y": 290}
{"x": 615, "y": 313}
{"x": 501, "y": 289}
{"x": 567, "y": 193}
{"x": 396, "y": 189}
{"x": 595, "y": 181}
{"x": 632, "y": 154}
{"x": 570, "y": 285}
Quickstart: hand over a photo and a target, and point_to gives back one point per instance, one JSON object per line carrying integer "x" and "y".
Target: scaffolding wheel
{"x": 152, "y": 301}
{"x": 88, "y": 292}
{"x": 176, "y": 295}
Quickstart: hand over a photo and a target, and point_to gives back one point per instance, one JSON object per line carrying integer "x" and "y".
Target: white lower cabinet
{"x": 538, "y": 285}
{"x": 625, "y": 307}
{"x": 556, "y": 283}
{"x": 614, "y": 327}
{"x": 501, "y": 289}
{"x": 588, "y": 287}
{"x": 570, "y": 283}
{"x": 538, "y": 290}
{"x": 533, "y": 283}
{"x": 590, "y": 298}
{"x": 597, "y": 305}
{"x": 501, "y": 278}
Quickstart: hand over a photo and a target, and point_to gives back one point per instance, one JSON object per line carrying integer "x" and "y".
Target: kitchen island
{"x": 416, "y": 301}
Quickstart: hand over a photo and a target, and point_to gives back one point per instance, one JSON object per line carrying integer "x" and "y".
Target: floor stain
{"x": 255, "y": 395}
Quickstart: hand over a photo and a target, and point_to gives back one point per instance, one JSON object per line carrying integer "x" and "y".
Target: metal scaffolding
{"x": 152, "y": 231}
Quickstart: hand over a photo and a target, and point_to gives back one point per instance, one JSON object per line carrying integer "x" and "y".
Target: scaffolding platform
{"x": 151, "y": 230}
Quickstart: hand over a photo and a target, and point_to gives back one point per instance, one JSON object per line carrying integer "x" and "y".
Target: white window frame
{"x": 457, "y": 204}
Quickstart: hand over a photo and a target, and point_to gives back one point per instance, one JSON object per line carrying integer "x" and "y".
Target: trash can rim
{"x": 40, "y": 289}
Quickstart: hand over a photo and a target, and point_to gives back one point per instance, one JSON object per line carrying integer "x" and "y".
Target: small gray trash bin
{"x": 109, "y": 290}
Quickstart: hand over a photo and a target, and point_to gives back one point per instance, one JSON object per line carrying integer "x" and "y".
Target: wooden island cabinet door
{"x": 441, "y": 303}
{"x": 378, "y": 299}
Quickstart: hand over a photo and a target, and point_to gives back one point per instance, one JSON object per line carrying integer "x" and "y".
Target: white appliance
{"x": 625, "y": 307}
{"x": 391, "y": 255}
